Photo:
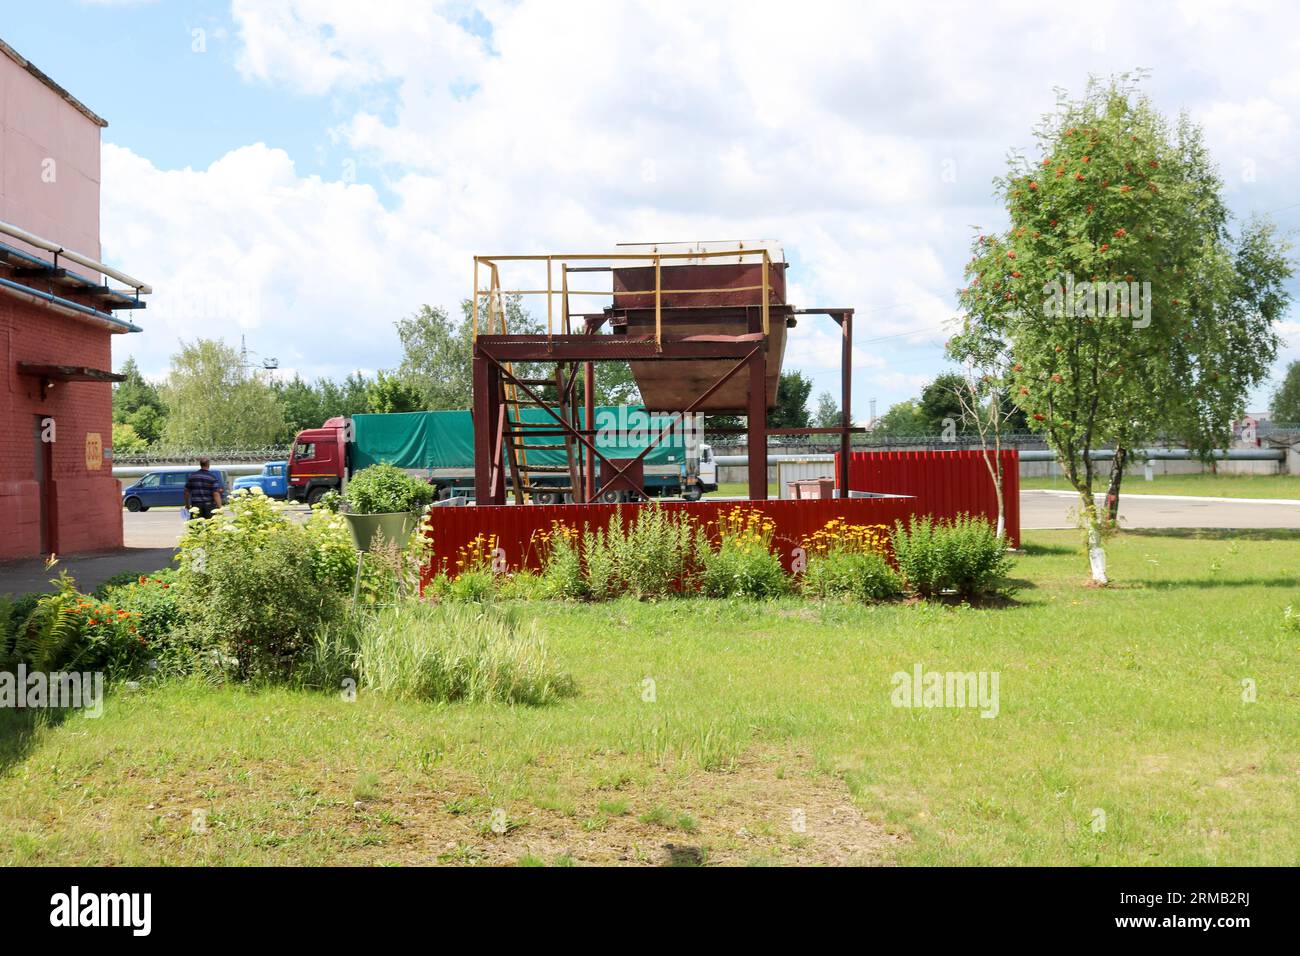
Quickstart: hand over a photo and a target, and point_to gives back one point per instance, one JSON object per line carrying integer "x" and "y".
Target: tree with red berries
{"x": 1125, "y": 309}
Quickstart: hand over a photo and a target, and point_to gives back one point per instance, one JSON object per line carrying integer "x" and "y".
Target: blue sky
{"x": 136, "y": 65}
{"x": 321, "y": 168}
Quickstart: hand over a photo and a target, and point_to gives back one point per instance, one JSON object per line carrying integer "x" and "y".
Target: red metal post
{"x": 846, "y": 400}
{"x": 756, "y": 419}
{"x": 486, "y": 406}
{"x": 589, "y": 411}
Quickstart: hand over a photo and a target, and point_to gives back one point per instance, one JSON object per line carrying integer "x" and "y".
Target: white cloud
{"x": 863, "y": 136}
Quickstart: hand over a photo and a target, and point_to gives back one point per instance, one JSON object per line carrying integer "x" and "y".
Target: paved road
{"x": 1055, "y": 509}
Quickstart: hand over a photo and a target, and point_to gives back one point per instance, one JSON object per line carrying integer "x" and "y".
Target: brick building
{"x": 57, "y": 320}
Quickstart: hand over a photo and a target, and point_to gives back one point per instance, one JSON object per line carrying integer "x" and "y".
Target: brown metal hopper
{"x": 673, "y": 386}
{"x": 701, "y": 299}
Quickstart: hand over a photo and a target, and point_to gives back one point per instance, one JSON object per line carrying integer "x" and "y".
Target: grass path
{"x": 722, "y": 732}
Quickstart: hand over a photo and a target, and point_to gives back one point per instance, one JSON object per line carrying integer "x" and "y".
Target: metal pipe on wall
{"x": 9, "y": 229}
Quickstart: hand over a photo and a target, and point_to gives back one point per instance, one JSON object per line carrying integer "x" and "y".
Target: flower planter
{"x": 396, "y": 528}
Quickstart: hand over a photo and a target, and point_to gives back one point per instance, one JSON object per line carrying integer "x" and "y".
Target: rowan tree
{"x": 1126, "y": 306}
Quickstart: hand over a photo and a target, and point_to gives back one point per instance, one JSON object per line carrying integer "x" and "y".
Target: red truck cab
{"x": 318, "y": 461}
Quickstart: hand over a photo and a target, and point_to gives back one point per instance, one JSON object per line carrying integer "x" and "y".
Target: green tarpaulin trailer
{"x": 440, "y": 446}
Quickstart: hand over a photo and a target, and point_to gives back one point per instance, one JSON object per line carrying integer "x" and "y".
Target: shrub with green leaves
{"x": 649, "y": 555}
{"x": 14, "y": 612}
{"x": 863, "y": 576}
{"x": 256, "y": 585}
{"x": 451, "y": 652}
{"x": 742, "y": 562}
{"x": 154, "y": 600}
{"x": 563, "y": 575}
{"x": 964, "y": 556}
{"x": 66, "y": 630}
{"x": 386, "y": 489}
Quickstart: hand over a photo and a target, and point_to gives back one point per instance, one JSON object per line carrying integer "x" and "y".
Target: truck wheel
{"x": 612, "y": 497}
{"x": 315, "y": 495}
{"x": 547, "y": 497}
{"x": 692, "y": 493}
{"x": 135, "y": 504}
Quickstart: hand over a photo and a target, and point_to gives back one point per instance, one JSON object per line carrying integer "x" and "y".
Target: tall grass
{"x": 449, "y": 652}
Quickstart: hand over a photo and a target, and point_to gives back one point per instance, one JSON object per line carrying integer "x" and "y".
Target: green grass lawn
{"x": 769, "y": 738}
{"x": 733, "y": 489}
{"x": 1212, "y": 486}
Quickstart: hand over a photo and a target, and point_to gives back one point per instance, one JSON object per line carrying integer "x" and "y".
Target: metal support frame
{"x": 494, "y": 355}
{"x": 756, "y": 416}
{"x": 490, "y": 370}
{"x": 844, "y": 318}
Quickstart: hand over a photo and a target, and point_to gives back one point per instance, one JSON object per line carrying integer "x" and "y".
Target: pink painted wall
{"x": 36, "y": 125}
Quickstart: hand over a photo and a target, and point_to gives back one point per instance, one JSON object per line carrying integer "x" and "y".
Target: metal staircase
{"x": 520, "y": 437}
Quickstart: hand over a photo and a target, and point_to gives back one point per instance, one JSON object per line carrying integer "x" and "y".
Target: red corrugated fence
{"x": 944, "y": 484}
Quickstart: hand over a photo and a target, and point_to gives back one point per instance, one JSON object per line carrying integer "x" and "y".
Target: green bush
{"x": 66, "y": 630}
{"x": 742, "y": 563}
{"x": 964, "y": 556}
{"x": 449, "y": 652}
{"x": 154, "y": 600}
{"x": 385, "y": 489}
{"x": 648, "y": 556}
{"x": 562, "y": 571}
{"x": 522, "y": 585}
{"x": 14, "y": 612}
{"x": 864, "y": 576}
{"x": 255, "y": 585}
{"x": 651, "y": 555}
{"x": 473, "y": 585}
{"x": 118, "y": 580}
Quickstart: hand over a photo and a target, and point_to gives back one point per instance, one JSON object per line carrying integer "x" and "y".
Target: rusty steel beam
{"x": 485, "y": 412}
{"x": 610, "y": 348}
{"x": 568, "y": 429}
{"x": 678, "y": 416}
{"x": 846, "y": 399}
{"x": 756, "y": 418}
{"x": 589, "y": 413}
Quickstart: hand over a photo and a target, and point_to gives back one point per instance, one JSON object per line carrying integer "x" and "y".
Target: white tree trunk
{"x": 1096, "y": 553}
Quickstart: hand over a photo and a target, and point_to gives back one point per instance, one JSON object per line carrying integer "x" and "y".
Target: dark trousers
{"x": 204, "y": 508}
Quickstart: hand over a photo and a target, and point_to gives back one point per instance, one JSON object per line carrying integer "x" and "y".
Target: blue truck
{"x": 273, "y": 480}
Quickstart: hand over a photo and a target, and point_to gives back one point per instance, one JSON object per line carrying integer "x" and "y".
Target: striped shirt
{"x": 202, "y": 486}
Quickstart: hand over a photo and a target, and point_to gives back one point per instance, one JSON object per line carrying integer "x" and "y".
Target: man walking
{"x": 203, "y": 490}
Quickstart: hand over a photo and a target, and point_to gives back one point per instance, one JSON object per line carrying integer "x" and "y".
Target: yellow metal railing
{"x": 496, "y": 295}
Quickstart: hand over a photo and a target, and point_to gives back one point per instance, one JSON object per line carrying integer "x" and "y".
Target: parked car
{"x": 163, "y": 488}
{"x": 273, "y": 480}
